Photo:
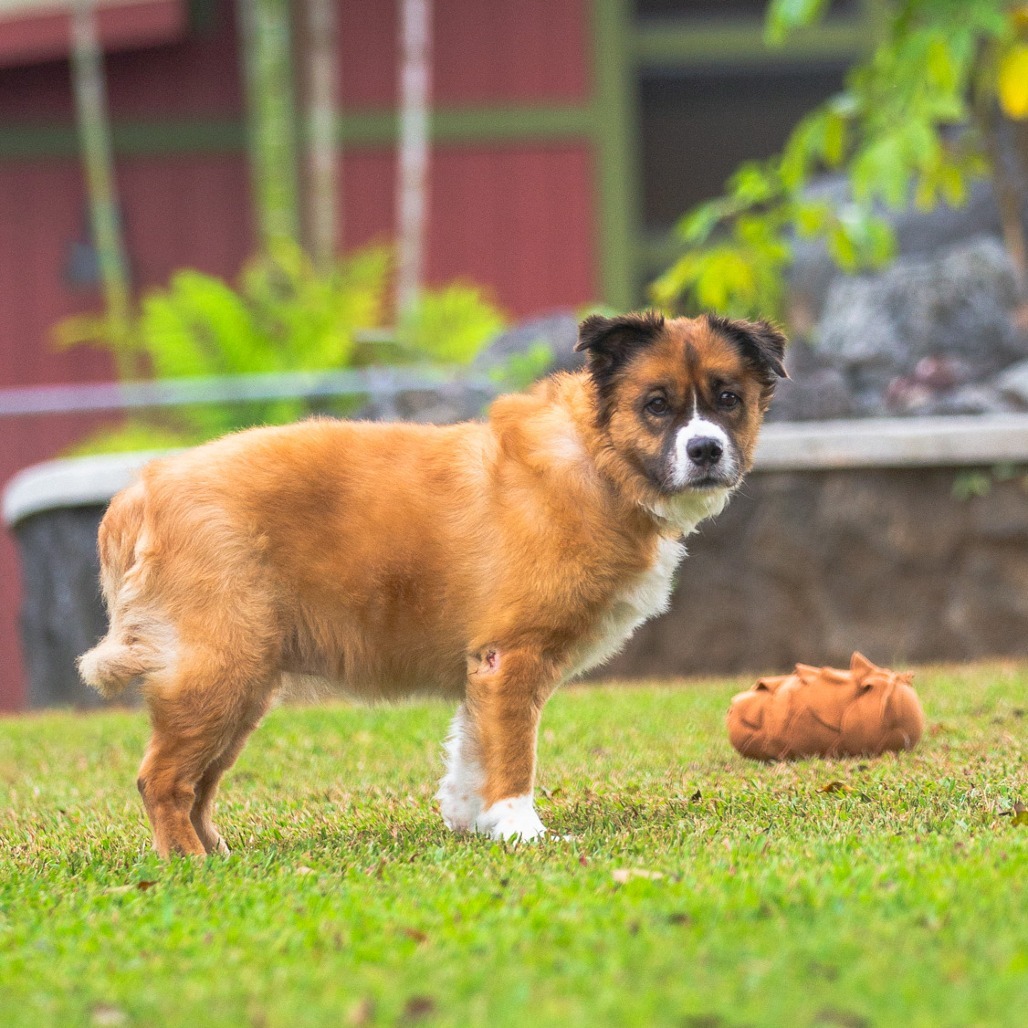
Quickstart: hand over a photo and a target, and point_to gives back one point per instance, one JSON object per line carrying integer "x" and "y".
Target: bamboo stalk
{"x": 266, "y": 44}
{"x": 98, "y": 165}
{"x": 412, "y": 158}
{"x": 323, "y": 178}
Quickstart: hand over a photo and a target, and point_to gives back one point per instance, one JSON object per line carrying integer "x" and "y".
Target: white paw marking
{"x": 514, "y": 819}
{"x": 460, "y": 791}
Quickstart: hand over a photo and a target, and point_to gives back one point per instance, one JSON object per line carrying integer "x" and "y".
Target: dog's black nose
{"x": 704, "y": 451}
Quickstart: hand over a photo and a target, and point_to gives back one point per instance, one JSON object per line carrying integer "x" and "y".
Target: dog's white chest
{"x": 646, "y": 597}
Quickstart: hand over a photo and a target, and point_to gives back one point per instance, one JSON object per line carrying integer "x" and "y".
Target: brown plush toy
{"x": 825, "y": 712}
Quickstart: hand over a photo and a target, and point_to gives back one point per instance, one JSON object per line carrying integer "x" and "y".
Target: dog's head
{"x": 680, "y": 401}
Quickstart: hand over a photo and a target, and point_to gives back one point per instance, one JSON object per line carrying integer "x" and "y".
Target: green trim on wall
{"x": 473, "y": 125}
{"x": 615, "y": 137}
{"x": 40, "y": 142}
{"x": 696, "y": 44}
{"x": 355, "y": 131}
{"x": 705, "y": 45}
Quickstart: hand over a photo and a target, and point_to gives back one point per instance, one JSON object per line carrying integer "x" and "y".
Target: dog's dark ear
{"x": 761, "y": 344}
{"x": 609, "y": 342}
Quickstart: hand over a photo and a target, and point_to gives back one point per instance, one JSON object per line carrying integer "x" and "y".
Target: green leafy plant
{"x": 916, "y": 121}
{"x": 449, "y": 324}
{"x": 520, "y": 370}
{"x": 283, "y": 316}
{"x": 970, "y": 485}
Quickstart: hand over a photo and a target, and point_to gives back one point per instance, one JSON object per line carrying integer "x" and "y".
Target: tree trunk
{"x": 1009, "y": 172}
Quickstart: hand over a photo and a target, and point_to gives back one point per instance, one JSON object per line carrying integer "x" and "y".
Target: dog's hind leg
{"x": 203, "y": 799}
{"x": 200, "y": 719}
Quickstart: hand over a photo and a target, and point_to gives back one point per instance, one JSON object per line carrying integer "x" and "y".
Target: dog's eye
{"x": 658, "y": 405}
{"x": 727, "y": 400}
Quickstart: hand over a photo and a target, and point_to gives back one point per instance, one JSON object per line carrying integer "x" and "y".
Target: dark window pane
{"x": 725, "y": 10}
{"x": 697, "y": 128}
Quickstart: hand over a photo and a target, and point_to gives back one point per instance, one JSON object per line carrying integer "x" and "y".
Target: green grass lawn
{"x": 763, "y": 897}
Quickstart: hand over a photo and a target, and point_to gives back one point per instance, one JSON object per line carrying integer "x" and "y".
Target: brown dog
{"x": 486, "y": 561}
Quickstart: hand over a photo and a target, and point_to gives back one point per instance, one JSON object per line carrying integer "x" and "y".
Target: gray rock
{"x": 810, "y": 566}
{"x": 441, "y": 405}
{"x": 557, "y": 331}
{"x": 982, "y": 398}
{"x": 958, "y": 305}
{"x": 917, "y": 232}
{"x": 803, "y": 359}
{"x": 818, "y": 395}
{"x": 510, "y": 362}
{"x": 1013, "y": 384}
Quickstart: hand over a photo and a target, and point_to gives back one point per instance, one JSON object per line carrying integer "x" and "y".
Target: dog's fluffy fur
{"x": 486, "y": 561}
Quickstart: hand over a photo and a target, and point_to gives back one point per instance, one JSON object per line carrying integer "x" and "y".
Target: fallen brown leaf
{"x": 835, "y": 787}
{"x": 1018, "y": 813}
{"x": 361, "y": 1013}
{"x": 418, "y": 1007}
{"x": 107, "y": 1014}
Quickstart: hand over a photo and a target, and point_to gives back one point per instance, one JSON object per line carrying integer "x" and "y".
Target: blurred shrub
{"x": 282, "y": 316}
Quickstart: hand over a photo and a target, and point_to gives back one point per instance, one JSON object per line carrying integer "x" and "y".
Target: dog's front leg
{"x": 505, "y": 696}
{"x": 460, "y": 791}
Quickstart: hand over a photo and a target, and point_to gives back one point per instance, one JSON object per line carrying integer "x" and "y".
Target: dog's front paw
{"x": 458, "y": 805}
{"x": 512, "y": 819}
{"x": 459, "y": 796}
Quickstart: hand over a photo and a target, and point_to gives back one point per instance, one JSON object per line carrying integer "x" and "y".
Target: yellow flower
{"x": 1012, "y": 83}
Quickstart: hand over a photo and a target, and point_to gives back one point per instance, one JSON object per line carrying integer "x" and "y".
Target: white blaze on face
{"x": 684, "y": 470}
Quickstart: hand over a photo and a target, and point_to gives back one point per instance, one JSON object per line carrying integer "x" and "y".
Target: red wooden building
{"x": 567, "y": 134}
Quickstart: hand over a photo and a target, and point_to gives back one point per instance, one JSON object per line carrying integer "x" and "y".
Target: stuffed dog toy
{"x": 825, "y": 712}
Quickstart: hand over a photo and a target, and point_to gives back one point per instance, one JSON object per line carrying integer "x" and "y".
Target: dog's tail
{"x": 118, "y": 658}
{"x": 112, "y": 665}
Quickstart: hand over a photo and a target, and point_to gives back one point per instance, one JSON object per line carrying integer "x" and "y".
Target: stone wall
{"x": 811, "y": 565}
{"x": 62, "y": 613}
{"x": 849, "y": 535}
